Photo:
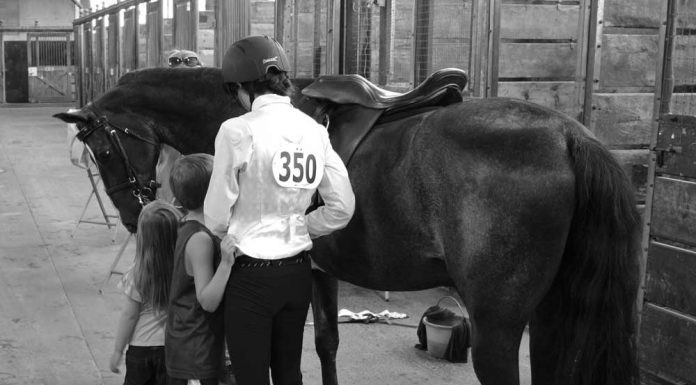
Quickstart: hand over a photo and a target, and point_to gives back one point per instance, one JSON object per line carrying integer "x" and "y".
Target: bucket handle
{"x": 455, "y": 301}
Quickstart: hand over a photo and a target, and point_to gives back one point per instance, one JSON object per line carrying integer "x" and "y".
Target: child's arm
{"x": 124, "y": 332}
{"x": 210, "y": 286}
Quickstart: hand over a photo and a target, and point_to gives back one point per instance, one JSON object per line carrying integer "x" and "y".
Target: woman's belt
{"x": 245, "y": 261}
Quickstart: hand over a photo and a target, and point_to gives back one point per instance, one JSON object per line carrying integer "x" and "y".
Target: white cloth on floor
{"x": 368, "y": 316}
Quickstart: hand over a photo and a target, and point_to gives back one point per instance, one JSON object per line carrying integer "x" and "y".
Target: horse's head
{"x": 125, "y": 152}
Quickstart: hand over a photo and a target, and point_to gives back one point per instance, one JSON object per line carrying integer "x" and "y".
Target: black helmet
{"x": 250, "y": 58}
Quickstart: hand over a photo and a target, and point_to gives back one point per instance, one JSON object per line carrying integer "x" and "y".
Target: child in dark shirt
{"x": 194, "y": 342}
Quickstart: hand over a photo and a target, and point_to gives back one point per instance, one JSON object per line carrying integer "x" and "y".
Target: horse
{"x": 518, "y": 207}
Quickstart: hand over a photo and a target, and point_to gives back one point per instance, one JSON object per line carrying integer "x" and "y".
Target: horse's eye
{"x": 104, "y": 156}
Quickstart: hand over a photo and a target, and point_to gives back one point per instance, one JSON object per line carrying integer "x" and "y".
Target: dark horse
{"x": 517, "y": 206}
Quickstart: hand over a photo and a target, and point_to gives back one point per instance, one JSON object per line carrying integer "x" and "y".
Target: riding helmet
{"x": 250, "y": 58}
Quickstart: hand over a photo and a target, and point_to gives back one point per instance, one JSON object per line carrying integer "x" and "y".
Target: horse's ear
{"x": 72, "y": 116}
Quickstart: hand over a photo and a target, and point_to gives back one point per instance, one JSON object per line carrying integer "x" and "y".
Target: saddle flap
{"x": 349, "y": 125}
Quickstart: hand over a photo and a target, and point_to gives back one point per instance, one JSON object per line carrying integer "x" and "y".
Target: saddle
{"x": 360, "y": 104}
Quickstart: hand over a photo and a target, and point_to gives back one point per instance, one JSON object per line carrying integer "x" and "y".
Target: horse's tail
{"x": 599, "y": 276}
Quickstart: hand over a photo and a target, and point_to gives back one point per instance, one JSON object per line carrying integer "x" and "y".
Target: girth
{"x": 360, "y": 104}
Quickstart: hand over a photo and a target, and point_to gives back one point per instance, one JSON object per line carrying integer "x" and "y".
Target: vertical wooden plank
{"x": 385, "y": 41}
{"x": 333, "y": 39}
{"x": 478, "y": 47}
{"x": 279, "y": 22}
{"x": 296, "y": 36}
{"x": 422, "y": 43}
{"x": 136, "y": 34}
{"x": 493, "y": 48}
{"x": 30, "y": 58}
{"x": 112, "y": 48}
{"x": 87, "y": 62}
{"x": 350, "y": 30}
{"x": 194, "y": 21}
{"x": 667, "y": 54}
{"x": 650, "y": 192}
{"x": 69, "y": 64}
{"x": 220, "y": 43}
{"x": 154, "y": 34}
{"x": 98, "y": 61}
{"x": 77, "y": 33}
{"x": 594, "y": 59}
{"x": 316, "y": 40}
{"x": 598, "y": 35}
{"x": 160, "y": 29}
{"x": 233, "y": 23}
{"x": 582, "y": 58}
{"x": 2, "y": 68}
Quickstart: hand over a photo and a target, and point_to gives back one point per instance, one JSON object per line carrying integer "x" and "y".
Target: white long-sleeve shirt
{"x": 268, "y": 164}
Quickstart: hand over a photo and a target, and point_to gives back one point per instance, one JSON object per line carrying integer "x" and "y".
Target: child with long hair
{"x": 146, "y": 286}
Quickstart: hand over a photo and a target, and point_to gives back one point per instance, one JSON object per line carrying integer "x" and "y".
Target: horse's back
{"x": 439, "y": 189}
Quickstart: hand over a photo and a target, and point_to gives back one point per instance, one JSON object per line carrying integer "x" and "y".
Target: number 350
{"x": 298, "y": 167}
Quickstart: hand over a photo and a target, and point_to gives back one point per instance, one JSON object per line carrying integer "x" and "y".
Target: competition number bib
{"x": 295, "y": 167}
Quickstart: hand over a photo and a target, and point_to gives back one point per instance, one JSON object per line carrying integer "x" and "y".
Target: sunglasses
{"x": 190, "y": 61}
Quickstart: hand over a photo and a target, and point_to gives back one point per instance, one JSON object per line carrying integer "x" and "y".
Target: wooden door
{"x": 668, "y": 322}
{"x": 667, "y": 339}
{"x": 51, "y": 67}
{"x": 16, "y": 72}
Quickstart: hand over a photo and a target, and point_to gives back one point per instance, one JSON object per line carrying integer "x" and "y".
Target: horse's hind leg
{"x": 544, "y": 349}
{"x": 495, "y": 350}
{"x": 500, "y": 289}
{"x": 325, "y": 312}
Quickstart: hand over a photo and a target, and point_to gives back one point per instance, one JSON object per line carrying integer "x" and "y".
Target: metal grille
{"x": 683, "y": 59}
{"x": 397, "y": 44}
{"x": 305, "y": 35}
{"x": 442, "y": 36}
{"x": 369, "y": 21}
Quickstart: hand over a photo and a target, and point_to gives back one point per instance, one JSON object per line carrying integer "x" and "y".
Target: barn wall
{"x": 538, "y": 61}
{"x": 624, "y": 81}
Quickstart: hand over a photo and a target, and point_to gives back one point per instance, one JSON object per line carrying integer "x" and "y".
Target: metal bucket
{"x": 438, "y": 333}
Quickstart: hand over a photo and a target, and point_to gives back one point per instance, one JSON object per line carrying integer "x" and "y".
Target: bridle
{"x": 143, "y": 192}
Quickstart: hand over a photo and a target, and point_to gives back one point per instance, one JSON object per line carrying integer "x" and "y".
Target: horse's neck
{"x": 179, "y": 136}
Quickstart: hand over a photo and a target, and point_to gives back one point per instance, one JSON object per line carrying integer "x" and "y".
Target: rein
{"x": 143, "y": 192}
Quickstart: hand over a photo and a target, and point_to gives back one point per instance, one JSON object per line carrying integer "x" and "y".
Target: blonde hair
{"x": 158, "y": 224}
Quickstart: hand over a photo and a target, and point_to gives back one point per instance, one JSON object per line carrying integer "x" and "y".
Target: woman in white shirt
{"x": 268, "y": 164}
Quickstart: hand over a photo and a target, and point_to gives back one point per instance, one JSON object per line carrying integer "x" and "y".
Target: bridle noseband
{"x": 143, "y": 192}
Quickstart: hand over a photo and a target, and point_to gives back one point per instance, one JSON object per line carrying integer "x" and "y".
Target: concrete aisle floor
{"x": 55, "y": 328}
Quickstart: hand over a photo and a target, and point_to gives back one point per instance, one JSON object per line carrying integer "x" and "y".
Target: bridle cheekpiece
{"x": 143, "y": 192}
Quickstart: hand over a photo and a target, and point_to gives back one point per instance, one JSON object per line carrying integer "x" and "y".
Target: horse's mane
{"x": 184, "y": 92}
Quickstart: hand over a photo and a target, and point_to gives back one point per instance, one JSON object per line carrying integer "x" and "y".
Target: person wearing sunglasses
{"x": 178, "y": 58}
{"x": 181, "y": 58}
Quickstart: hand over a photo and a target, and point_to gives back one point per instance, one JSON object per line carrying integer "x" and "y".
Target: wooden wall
{"x": 539, "y": 48}
{"x": 667, "y": 343}
{"x": 625, "y": 68}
